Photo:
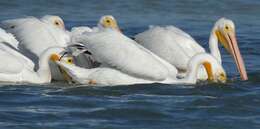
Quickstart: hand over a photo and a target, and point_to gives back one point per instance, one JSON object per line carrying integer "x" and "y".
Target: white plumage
{"x": 101, "y": 76}
{"x": 178, "y": 47}
{"x": 111, "y": 76}
{"x": 171, "y": 44}
{"x": 113, "y": 49}
{"x": 83, "y": 60}
{"x": 8, "y": 38}
{"x": 16, "y": 67}
{"x": 36, "y": 35}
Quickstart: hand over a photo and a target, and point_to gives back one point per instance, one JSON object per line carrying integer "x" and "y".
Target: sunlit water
{"x": 235, "y": 105}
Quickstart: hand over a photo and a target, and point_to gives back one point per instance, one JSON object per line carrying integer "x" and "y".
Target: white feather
{"x": 35, "y": 35}
{"x": 8, "y": 38}
{"x": 171, "y": 44}
{"x": 16, "y": 67}
{"x": 113, "y": 49}
{"x": 102, "y": 76}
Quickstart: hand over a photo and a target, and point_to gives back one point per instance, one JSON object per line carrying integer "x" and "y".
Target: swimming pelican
{"x": 36, "y": 35}
{"x": 16, "y": 67}
{"x": 115, "y": 50}
{"x": 178, "y": 47}
{"x": 111, "y": 76}
{"x": 85, "y": 60}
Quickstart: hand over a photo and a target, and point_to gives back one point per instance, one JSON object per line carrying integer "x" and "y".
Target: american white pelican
{"x": 84, "y": 60}
{"x": 106, "y": 21}
{"x": 113, "y": 49}
{"x": 36, "y": 35}
{"x": 15, "y": 67}
{"x": 111, "y": 76}
{"x": 178, "y": 47}
{"x": 54, "y": 20}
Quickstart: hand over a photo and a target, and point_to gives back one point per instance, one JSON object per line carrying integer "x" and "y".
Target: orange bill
{"x": 235, "y": 52}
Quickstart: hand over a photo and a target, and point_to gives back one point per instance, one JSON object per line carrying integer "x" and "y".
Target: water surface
{"x": 234, "y": 105}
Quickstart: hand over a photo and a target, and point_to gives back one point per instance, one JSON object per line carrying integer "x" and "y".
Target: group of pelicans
{"x": 40, "y": 50}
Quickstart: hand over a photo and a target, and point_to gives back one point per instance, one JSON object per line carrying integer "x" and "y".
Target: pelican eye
{"x": 108, "y": 21}
{"x": 57, "y": 23}
{"x": 70, "y": 60}
{"x": 226, "y": 27}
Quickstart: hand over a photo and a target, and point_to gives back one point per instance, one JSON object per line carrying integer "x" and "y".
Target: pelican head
{"x": 214, "y": 69}
{"x": 224, "y": 30}
{"x": 108, "y": 21}
{"x": 215, "y": 72}
{"x": 221, "y": 76}
{"x": 62, "y": 57}
{"x": 68, "y": 59}
{"x": 54, "y": 20}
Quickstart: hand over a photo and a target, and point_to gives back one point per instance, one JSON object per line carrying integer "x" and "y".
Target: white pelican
{"x": 36, "y": 35}
{"x": 16, "y": 67}
{"x": 54, "y": 20}
{"x": 83, "y": 60}
{"x": 178, "y": 47}
{"x": 113, "y": 49}
{"x": 111, "y": 76}
{"x": 106, "y": 21}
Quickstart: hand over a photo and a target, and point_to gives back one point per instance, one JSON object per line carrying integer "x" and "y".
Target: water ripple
{"x": 234, "y": 105}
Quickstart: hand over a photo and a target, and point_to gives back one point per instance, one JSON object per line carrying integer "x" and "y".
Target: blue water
{"x": 235, "y": 105}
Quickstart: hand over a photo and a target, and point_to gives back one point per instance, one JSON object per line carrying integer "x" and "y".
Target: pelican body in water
{"x": 113, "y": 49}
{"x": 15, "y": 67}
{"x": 84, "y": 60}
{"x": 178, "y": 47}
{"x": 111, "y": 76}
{"x": 126, "y": 62}
{"x": 37, "y": 35}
